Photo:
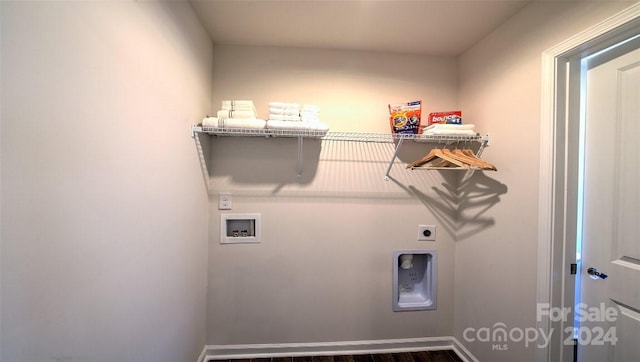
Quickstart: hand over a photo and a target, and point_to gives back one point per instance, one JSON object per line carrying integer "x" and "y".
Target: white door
{"x": 609, "y": 313}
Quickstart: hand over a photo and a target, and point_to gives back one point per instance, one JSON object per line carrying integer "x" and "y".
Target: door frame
{"x": 558, "y": 171}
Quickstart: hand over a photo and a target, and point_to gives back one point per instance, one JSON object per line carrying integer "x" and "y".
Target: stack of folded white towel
{"x": 234, "y": 114}
{"x": 449, "y": 130}
{"x": 295, "y": 117}
{"x": 284, "y": 111}
{"x": 309, "y": 113}
{"x": 237, "y": 109}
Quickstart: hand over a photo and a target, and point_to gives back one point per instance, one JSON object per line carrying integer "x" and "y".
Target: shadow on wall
{"x": 259, "y": 166}
{"x": 460, "y": 208}
{"x": 265, "y": 160}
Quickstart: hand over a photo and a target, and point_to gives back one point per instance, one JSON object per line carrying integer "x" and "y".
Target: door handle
{"x": 596, "y": 274}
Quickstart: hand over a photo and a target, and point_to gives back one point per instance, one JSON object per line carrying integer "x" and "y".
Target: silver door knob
{"x": 595, "y": 273}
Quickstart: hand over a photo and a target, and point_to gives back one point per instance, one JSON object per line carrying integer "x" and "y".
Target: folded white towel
{"x": 308, "y": 118}
{"x": 283, "y": 117}
{"x": 237, "y": 108}
{"x": 245, "y": 103}
{"x": 236, "y": 114}
{"x": 450, "y": 126}
{"x": 234, "y": 123}
{"x": 284, "y": 105}
{"x": 284, "y": 111}
{"x": 449, "y": 132}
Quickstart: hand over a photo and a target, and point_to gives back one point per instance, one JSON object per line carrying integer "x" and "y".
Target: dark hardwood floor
{"x": 422, "y": 356}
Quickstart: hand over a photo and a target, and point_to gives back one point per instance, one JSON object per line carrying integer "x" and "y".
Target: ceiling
{"x": 433, "y": 27}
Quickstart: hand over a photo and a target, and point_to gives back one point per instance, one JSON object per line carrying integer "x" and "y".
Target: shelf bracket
{"x": 393, "y": 158}
{"x": 201, "y": 156}
{"x": 483, "y": 143}
{"x": 299, "y": 161}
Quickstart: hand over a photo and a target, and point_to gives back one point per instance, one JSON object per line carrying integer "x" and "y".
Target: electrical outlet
{"x": 224, "y": 201}
{"x": 427, "y": 232}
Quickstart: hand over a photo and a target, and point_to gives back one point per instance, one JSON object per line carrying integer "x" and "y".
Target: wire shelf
{"x": 337, "y": 136}
{"x": 392, "y": 138}
{"x": 300, "y": 134}
{"x": 260, "y": 132}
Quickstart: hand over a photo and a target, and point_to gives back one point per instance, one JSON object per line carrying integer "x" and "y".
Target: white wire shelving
{"x": 259, "y": 132}
{"x": 333, "y": 136}
{"x": 301, "y": 134}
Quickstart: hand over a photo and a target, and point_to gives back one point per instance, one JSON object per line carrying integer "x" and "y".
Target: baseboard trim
{"x": 247, "y": 351}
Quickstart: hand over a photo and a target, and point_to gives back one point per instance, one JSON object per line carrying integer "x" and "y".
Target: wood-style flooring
{"x": 422, "y": 356}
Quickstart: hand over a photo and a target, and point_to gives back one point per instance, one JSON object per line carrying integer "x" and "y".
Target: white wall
{"x": 323, "y": 271}
{"x": 500, "y": 82}
{"x": 104, "y": 216}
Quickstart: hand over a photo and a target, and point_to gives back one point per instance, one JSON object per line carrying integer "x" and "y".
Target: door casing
{"x": 558, "y": 169}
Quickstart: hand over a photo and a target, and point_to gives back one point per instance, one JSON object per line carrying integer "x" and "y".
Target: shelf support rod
{"x": 201, "y": 158}
{"x": 299, "y": 162}
{"x": 483, "y": 144}
{"x": 393, "y": 158}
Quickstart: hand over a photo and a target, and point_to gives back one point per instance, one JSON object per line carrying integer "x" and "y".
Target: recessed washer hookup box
{"x": 239, "y": 228}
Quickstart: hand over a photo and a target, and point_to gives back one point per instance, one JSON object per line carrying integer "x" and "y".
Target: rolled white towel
{"x": 318, "y": 126}
{"x": 212, "y": 122}
{"x": 236, "y": 114}
{"x": 233, "y": 123}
